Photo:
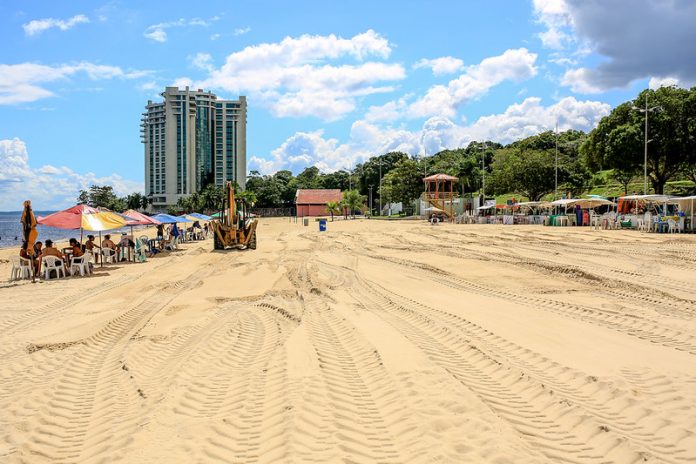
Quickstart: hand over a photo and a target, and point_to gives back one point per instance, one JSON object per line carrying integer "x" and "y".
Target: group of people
{"x": 75, "y": 250}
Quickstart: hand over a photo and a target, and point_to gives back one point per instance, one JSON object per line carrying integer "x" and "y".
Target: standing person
{"x": 29, "y": 230}
{"x": 578, "y": 215}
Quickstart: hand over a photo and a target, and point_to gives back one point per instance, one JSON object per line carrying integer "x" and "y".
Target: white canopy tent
{"x": 686, "y": 205}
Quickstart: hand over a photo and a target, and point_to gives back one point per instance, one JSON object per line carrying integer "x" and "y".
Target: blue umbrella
{"x": 167, "y": 219}
{"x": 200, "y": 216}
{"x": 182, "y": 219}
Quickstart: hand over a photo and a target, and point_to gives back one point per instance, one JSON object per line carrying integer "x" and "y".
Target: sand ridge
{"x": 375, "y": 341}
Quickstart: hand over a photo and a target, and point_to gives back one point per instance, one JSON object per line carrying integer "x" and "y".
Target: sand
{"x": 375, "y": 341}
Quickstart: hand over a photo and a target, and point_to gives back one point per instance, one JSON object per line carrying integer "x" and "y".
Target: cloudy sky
{"x": 328, "y": 85}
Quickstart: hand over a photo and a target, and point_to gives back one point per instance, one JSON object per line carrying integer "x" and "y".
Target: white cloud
{"x": 293, "y": 78}
{"x": 158, "y": 32}
{"x": 19, "y": 83}
{"x": 657, "y": 82}
{"x": 437, "y": 133}
{"x": 203, "y": 61}
{"x": 441, "y": 66}
{"x": 242, "y": 30}
{"x": 515, "y": 65}
{"x": 215, "y": 36}
{"x": 37, "y": 26}
{"x": 49, "y": 187}
{"x": 556, "y": 17}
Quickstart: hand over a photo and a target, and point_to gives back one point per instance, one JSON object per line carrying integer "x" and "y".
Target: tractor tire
{"x": 217, "y": 244}
{"x": 252, "y": 242}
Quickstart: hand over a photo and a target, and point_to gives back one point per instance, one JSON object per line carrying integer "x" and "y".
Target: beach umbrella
{"x": 165, "y": 218}
{"x": 200, "y": 216}
{"x": 84, "y": 217}
{"x": 131, "y": 213}
{"x": 29, "y": 231}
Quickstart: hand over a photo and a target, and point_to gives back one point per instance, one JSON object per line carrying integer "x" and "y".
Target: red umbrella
{"x": 140, "y": 218}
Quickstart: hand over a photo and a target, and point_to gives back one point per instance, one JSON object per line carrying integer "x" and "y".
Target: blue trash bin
{"x": 322, "y": 225}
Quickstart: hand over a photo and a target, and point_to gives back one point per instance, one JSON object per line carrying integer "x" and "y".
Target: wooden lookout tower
{"x": 440, "y": 193}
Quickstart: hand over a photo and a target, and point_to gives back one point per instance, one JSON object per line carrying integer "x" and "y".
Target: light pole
{"x": 555, "y": 188}
{"x": 484, "y": 145}
{"x": 646, "y": 110}
{"x": 380, "y": 185}
{"x": 370, "y": 189}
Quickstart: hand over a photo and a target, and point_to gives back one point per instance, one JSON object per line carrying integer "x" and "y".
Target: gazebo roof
{"x": 436, "y": 177}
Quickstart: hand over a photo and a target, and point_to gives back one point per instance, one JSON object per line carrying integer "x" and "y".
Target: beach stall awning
{"x": 166, "y": 218}
{"x": 183, "y": 219}
{"x": 530, "y": 204}
{"x": 594, "y": 202}
{"x": 651, "y": 198}
{"x": 565, "y": 201}
{"x": 486, "y": 207}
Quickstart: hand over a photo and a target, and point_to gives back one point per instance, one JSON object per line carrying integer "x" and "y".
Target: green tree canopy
{"x": 618, "y": 140}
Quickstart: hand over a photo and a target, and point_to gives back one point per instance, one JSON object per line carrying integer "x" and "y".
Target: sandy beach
{"x": 376, "y": 341}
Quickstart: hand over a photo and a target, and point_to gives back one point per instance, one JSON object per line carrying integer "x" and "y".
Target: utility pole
{"x": 370, "y": 188}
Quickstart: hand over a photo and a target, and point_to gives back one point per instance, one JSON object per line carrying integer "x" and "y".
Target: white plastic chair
{"x": 108, "y": 255}
{"x": 51, "y": 263}
{"x": 80, "y": 264}
{"x": 21, "y": 268}
{"x": 672, "y": 225}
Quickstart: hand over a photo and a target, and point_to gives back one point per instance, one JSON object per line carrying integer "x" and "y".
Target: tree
{"x": 369, "y": 171}
{"x": 134, "y": 200}
{"x": 352, "y": 199}
{"x": 333, "y": 207}
{"x": 530, "y": 173}
{"x": 102, "y": 196}
{"x": 618, "y": 140}
{"x": 335, "y": 180}
{"x": 624, "y": 178}
{"x": 404, "y": 183}
{"x": 248, "y": 196}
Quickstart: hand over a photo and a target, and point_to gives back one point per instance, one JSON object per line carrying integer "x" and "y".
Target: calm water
{"x": 10, "y": 228}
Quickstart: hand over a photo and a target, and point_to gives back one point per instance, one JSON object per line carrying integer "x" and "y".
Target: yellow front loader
{"x": 235, "y": 228}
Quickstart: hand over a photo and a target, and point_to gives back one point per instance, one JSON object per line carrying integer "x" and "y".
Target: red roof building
{"x": 312, "y": 202}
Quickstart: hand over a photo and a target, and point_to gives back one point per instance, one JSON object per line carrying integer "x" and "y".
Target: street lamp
{"x": 646, "y": 110}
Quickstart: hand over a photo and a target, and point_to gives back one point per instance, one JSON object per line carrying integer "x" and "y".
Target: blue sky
{"x": 327, "y": 84}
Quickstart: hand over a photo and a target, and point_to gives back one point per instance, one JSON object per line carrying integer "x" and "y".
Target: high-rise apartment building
{"x": 192, "y": 139}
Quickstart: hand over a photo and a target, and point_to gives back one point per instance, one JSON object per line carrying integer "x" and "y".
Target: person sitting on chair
{"x": 107, "y": 243}
{"x": 76, "y": 248}
{"x": 49, "y": 250}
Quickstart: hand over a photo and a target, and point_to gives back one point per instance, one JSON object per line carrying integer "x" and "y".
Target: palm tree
{"x": 333, "y": 207}
{"x": 353, "y": 200}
